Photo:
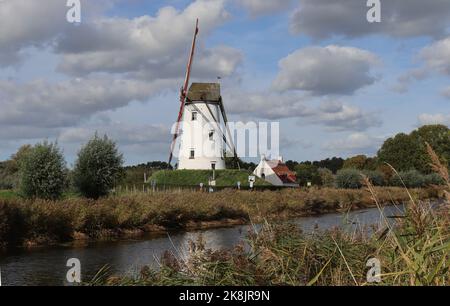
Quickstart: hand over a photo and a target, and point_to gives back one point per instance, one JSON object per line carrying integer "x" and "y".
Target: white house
{"x": 276, "y": 172}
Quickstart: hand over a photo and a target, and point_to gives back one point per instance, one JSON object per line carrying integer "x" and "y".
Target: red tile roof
{"x": 285, "y": 175}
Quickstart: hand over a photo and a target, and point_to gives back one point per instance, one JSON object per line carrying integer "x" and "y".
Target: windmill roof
{"x": 209, "y": 92}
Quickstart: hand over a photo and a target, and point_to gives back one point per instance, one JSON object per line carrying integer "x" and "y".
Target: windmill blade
{"x": 183, "y": 93}
{"x": 225, "y": 120}
{"x": 215, "y": 121}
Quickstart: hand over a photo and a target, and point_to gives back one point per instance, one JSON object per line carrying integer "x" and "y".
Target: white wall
{"x": 270, "y": 175}
{"x": 195, "y": 135}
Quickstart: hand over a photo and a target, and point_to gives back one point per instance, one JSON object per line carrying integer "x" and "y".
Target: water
{"x": 47, "y": 266}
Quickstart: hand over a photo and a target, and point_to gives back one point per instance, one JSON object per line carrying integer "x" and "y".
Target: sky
{"x": 337, "y": 84}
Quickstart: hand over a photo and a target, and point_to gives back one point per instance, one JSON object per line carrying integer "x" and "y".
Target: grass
{"x": 31, "y": 222}
{"x": 8, "y": 194}
{"x": 224, "y": 178}
{"x": 413, "y": 250}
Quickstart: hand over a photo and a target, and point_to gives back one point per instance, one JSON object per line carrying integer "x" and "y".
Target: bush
{"x": 434, "y": 179}
{"x": 376, "y": 177}
{"x": 349, "y": 179}
{"x": 43, "y": 172}
{"x": 327, "y": 177}
{"x": 12, "y": 224}
{"x": 411, "y": 179}
{"x": 98, "y": 167}
{"x": 307, "y": 173}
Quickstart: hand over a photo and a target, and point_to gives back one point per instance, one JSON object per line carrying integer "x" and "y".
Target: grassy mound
{"x": 7, "y": 194}
{"x": 224, "y": 178}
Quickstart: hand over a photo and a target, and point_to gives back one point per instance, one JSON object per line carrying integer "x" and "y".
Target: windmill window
{"x": 194, "y": 116}
{"x": 192, "y": 156}
{"x": 211, "y": 135}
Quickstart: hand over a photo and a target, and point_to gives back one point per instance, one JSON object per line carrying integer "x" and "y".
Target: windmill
{"x": 201, "y": 111}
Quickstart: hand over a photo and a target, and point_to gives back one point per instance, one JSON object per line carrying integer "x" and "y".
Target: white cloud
{"x": 337, "y": 116}
{"x": 262, "y": 7}
{"x": 404, "y": 80}
{"x": 437, "y": 56}
{"x": 266, "y": 104}
{"x": 144, "y": 46}
{"x": 123, "y": 133}
{"x": 323, "y": 19}
{"x": 326, "y": 70}
{"x": 356, "y": 143}
{"x": 25, "y": 23}
{"x": 43, "y": 104}
{"x": 426, "y": 119}
{"x": 334, "y": 116}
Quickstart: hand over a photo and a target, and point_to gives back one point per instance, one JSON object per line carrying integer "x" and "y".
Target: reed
{"x": 413, "y": 249}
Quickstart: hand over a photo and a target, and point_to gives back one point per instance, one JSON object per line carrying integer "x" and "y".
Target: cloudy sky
{"x": 337, "y": 84}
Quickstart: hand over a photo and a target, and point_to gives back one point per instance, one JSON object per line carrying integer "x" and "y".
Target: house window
{"x": 213, "y": 166}
{"x": 211, "y": 135}
{"x": 194, "y": 116}
{"x": 192, "y": 156}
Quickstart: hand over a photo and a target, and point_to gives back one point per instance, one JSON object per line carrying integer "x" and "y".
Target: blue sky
{"x": 338, "y": 85}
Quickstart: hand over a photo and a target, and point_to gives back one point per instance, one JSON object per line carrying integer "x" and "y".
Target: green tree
{"x": 326, "y": 177}
{"x": 334, "y": 164}
{"x": 406, "y": 152}
{"x": 402, "y": 152}
{"x": 410, "y": 179}
{"x": 9, "y": 169}
{"x": 43, "y": 172}
{"x": 98, "y": 167}
{"x": 438, "y": 136}
{"x": 356, "y": 162}
{"x": 349, "y": 179}
{"x": 307, "y": 173}
{"x": 376, "y": 177}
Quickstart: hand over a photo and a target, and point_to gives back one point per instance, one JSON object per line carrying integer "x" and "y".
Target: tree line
{"x": 403, "y": 153}
{"x": 41, "y": 171}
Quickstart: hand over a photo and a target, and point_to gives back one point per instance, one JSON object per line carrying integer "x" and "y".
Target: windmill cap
{"x": 208, "y": 92}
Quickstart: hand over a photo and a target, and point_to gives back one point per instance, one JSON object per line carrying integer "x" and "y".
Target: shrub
{"x": 433, "y": 179}
{"x": 327, "y": 177}
{"x": 307, "y": 173}
{"x": 376, "y": 177}
{"x": 349, "y": 179}
{"x": 98, "y": 167}
{"x": 411, "y": 179}
{"x": 12, "y": 224}
{"x": 43, "y": 172}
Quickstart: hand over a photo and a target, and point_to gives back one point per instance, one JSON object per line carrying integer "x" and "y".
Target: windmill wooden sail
{"x": 183, "y": 92}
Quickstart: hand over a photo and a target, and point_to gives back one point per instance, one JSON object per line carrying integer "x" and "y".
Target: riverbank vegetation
{"x": 411, "y": 249}
{"x": 36, "y": 221}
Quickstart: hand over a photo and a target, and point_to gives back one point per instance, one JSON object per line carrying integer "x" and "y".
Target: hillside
{"x": 224, "y": 178}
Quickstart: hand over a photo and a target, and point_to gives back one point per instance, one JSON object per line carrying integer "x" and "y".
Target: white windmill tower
{"x": 203, "y": 138}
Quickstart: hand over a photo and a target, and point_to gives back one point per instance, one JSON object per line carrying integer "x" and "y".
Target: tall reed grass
{"x": 413, "y": 249}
